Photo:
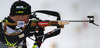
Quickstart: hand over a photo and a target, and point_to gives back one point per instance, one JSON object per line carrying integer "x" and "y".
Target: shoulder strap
{"x": 5, "y": 20}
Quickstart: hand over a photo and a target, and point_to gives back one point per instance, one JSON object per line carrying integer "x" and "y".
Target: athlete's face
{"x": 25, "y": 18}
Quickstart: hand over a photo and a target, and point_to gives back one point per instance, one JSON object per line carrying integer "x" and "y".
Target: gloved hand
{"x": 29, "y": 30}
{"x": 35, "y": 46}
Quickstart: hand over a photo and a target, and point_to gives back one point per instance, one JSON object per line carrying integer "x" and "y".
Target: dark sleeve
{"x": 9, "y": 40}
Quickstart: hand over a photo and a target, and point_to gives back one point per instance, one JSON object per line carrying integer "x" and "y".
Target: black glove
{"x": 29, "y": 30}
{"x": 39, "y": 37}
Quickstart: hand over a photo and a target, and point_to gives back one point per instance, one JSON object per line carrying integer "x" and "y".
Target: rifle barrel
{"x": 78, "y": 20}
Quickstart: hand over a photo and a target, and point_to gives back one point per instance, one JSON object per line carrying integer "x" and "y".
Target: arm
{"x": 15, "y": 39}
{"x": 10, "y": 40}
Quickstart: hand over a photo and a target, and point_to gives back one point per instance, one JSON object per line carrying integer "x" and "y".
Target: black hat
{"x": 20, "y": 8}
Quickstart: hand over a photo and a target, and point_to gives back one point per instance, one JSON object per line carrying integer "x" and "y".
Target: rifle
{"x": 58, "y": 22}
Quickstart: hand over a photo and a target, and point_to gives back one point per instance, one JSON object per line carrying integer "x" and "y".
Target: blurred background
{"x": 74, "y": 35}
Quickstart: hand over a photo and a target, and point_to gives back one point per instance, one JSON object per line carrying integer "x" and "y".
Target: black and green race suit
{"x": 6, "y": 39}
